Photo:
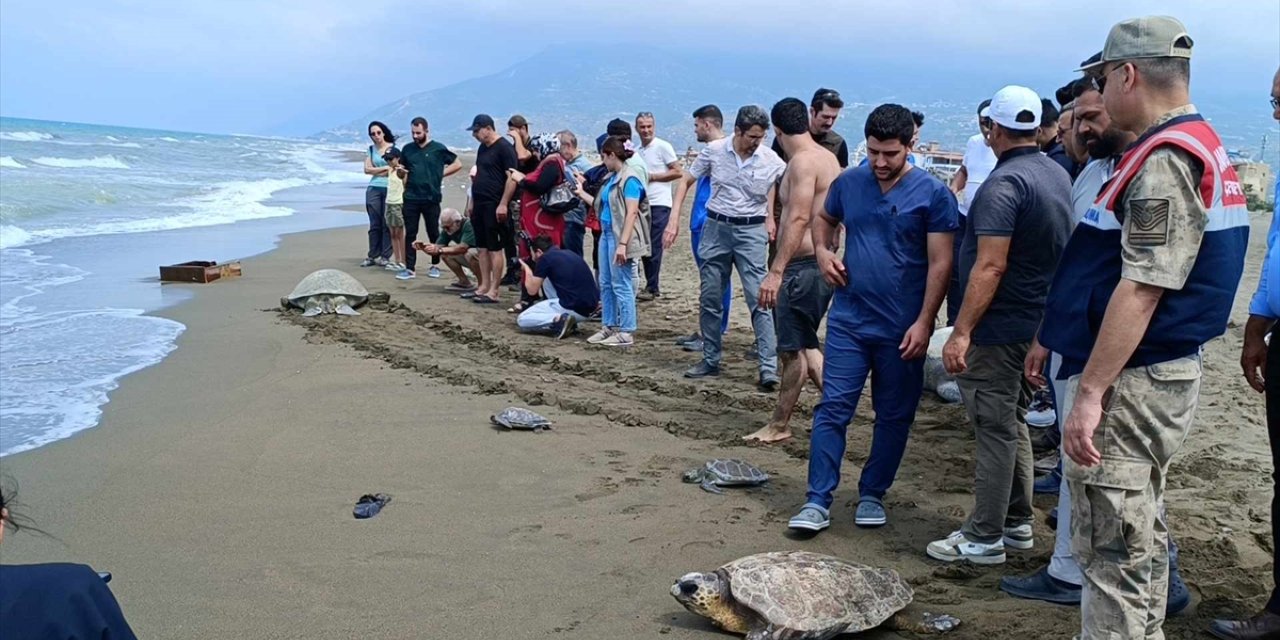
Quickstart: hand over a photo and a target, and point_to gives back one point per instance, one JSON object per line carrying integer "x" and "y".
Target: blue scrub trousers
{"x": 896, "y": 384}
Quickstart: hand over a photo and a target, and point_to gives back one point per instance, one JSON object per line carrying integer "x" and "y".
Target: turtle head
{"x": 703, "y": 594}
{"x": 693, "y": 476}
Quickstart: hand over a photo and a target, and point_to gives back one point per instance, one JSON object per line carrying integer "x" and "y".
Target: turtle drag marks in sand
{"x": 1217, "y": 497}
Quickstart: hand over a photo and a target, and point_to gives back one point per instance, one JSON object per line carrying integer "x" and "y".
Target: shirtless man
{"x": 794, "y": 288}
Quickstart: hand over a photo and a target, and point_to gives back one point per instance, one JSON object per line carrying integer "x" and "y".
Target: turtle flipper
{"x": 312, "y": 308}
{"x": 708, "y": 486}
{"x": 926, "y": 623}
{"x": 346, "y": 310}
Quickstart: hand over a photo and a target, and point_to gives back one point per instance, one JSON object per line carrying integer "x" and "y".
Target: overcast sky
{"x": 256, "y": 66}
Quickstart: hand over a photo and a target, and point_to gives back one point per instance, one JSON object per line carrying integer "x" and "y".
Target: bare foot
{"x": 769, "y": 435}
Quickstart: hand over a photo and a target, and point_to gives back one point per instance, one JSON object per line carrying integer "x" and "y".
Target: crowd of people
{"x": 1089, "y": 245}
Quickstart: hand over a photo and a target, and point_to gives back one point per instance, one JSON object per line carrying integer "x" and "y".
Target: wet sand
{"x": 218, "y": 488}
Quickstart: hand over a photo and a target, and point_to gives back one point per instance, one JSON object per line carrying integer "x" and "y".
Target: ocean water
{"x": 87, "y": 213}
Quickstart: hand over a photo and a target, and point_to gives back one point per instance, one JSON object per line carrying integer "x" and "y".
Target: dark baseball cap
{"x": 482, "y": 121}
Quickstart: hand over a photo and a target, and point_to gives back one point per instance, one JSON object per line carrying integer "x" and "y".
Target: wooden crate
{"x": 199, "y": 271}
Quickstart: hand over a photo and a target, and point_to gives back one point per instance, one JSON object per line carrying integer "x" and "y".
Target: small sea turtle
{"x": 520, "y": 419}
{"x": 800, "y": 595}
{"x": 936, "y": 377}
{"x": 723, "y": 472}
{"x": 327, "y": 291}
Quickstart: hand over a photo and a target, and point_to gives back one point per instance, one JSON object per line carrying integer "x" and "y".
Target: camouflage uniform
{"x": 1117, "y": 534}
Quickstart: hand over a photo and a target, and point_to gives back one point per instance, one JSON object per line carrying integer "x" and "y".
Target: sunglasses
{"x": 1101, "y": 81}
{"x": 374, "y": 133}
{"x": 1275, "y": 103}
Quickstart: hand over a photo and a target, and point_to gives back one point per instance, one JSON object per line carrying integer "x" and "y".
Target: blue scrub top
{"x": 886, "y": 248}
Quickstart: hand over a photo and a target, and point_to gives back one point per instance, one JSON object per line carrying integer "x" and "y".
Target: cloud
{"x": 246, "y": 65}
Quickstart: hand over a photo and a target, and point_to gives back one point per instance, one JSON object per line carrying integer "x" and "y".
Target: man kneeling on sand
{"x": 457, "y": 246}
{"x": 565, "y": 280}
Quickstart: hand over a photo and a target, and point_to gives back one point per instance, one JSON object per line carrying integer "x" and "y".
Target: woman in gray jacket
{"x": 623, "y": 208}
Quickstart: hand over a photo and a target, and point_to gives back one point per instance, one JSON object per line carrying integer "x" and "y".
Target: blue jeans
{"x": 695, "y": 236}
{"x": 574, "y": 233}
{"x": 658, "y": 216}
{"x": 895, "y": 391}
{"x": 617, "y": 288}
{"x": 725, "y": 247}
{"x": 375, "y": 204}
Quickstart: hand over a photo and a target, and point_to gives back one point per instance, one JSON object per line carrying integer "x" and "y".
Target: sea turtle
{"x": 327, "y": 291}
{"x": 520, "y": 419}
{"x": 800, "y": 595}
{"x": 723, "y": 472}
{"x": 936, "y": 377}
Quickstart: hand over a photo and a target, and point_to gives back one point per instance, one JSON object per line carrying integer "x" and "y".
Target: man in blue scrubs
{"x": 899, "y": 223}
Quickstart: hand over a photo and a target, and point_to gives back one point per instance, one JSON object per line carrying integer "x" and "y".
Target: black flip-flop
{"x": 483, "y": 299}
{"x": 468, "y": 295}
{"x": 370, "y": 504}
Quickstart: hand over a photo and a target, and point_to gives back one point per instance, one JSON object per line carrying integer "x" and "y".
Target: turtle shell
{"x": 523, "y": 419}
{"x": 329, "y": 282}
{"x": 728, "y": 472}
{"x": 813, "y": 593}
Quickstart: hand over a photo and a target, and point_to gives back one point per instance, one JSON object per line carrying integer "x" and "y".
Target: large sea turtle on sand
{"x": 798, "y": 595}
{"x": 327, "y": 291}
{"x": 936, "y": 377}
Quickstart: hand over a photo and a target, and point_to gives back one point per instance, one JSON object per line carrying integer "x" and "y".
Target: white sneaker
{"x": 1019, "y": 537}
{"x": 392, "y": 265}
{"x": 434, "y": 272}
{"x": 600, "y": 336}
{"x": 618, "y": 339}
{"x": 956, "y": 547}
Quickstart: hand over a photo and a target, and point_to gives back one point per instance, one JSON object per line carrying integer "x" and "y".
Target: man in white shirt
{"x": 978, "y": 162}
{"x": 659, "y": 158}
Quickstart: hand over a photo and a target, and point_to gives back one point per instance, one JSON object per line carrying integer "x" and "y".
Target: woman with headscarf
{"x": 550, "y": 172}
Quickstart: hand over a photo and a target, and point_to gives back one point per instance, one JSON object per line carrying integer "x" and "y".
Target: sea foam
{"x": 9, "y": 163}
{"x": 99, "y": 162}
{"x": 25, "y": 136}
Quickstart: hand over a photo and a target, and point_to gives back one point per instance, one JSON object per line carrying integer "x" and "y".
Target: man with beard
{"x": 429, "y": 163}
{"x": 1059, "y": 581}
{"x": 824, "y": 110}
{"x": 794, "y": 288}
{"x": 898, "y": 222}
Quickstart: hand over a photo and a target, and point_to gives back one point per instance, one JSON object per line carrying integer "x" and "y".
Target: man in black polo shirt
{"x": 566, "y": 282}
{"x": 428, "y": 162}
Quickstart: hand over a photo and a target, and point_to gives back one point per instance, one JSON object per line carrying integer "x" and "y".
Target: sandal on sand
{"x": 518, "y": 308}
{"x": 468, "y": 295}
{"x": 483, "y": 299}
{"x": 370, "y": 504}
{"x": 460, "y": 288}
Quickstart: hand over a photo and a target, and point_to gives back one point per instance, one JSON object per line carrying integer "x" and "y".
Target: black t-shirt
{"x": 492, "y": 163}
{"x": 1026, "y": 198}
{"x": 831, "y": 141}
{"x": 572, "y": 278}
{"x": 426, "y": 169}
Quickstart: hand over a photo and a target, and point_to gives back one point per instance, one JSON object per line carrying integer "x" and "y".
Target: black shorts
{"x": 484, "y": 222}
{"x": 802, "y": 301}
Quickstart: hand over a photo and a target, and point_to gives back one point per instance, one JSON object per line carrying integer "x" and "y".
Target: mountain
{"x": 582, "y": 89}
{"x": 576, "y": 90}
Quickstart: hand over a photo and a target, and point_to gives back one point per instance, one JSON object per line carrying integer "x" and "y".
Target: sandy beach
{"x": 218, "y": 487}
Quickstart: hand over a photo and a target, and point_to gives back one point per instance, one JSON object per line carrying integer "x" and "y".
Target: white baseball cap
{"x": 1015, "y": 107}
{"x": 985, "y": 113}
